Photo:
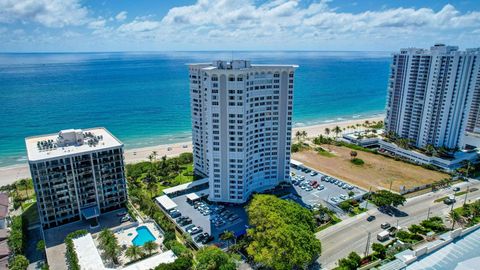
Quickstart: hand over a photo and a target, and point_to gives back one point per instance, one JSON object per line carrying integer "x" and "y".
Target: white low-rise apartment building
{"x": 241, "y": 126}
{"x": 434, "y": 97}
{"x": 77, "y": 174}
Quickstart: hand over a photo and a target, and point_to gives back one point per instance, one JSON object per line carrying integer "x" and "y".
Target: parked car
{"x": 207, "y": 239}
{"x": 456, "y": 189}
{"x": 385, "y": 225}
{"x": 121, "y": 214}
{"x": 189, "y": 227}
{"x": 313, "y": 173}
{"x": 343, "y": 196}
{"x": 185, "y": 222}
{"x": 195, "y": 230}
{"x": 175, "y": 214}
{"x": 321, "y": 187}
{"x": 233, "y": 217}
{"x": 371, "y": 218}
{"x": 199, "y": 237}
{"x": 125, "y": 218}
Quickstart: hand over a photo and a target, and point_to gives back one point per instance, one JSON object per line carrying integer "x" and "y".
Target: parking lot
{"x": 322, "y": 189}
{"x": 212, "y": 218}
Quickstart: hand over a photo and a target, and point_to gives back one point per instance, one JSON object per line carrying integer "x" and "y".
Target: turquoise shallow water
{"x": 142, "y": 98}
{"x": 143, "y": 236}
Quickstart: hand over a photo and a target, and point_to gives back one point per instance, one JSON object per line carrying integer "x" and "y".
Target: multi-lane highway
{"x": 352, "y": 234}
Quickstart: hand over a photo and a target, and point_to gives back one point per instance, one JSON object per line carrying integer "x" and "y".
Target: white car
{"x": 343, "y": 197}
{"x": 321, "y": 187}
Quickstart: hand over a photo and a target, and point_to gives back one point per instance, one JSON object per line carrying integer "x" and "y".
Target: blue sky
{"x": 153, "y": 25}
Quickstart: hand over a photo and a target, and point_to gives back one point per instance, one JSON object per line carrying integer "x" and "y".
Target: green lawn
{"x": 324, "y": 152}
{"x": 356, "y": 210}
{"x": 183, "y": 177}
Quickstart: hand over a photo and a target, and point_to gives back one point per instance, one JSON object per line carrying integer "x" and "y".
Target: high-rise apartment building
{"x": 77, "y": 174}
{"x": 434, "y": 95}
{"x": 241, "y": 126}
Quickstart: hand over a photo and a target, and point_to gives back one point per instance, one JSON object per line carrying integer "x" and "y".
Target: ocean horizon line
{"x": 186, "y": 51}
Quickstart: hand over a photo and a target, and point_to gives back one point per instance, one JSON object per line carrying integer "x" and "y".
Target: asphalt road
{"x": 352, "y": 234}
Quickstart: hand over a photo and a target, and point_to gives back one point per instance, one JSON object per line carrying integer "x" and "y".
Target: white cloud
{"x": 121, "y": 16}
{"x": 50, "y": 13}
{"x": 138, "y": 26}
{"x": 98, "y": 24}
{"x": 288, "y": 20}
{"x": 246, "y": 24}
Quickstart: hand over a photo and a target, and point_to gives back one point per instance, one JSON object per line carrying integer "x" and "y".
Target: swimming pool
{"x": 143, "y": 235}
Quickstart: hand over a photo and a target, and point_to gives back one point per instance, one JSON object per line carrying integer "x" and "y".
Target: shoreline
{"x": 11, "y": 173}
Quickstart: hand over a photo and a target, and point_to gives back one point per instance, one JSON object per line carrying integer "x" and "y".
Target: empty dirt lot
{"x": 377, "y": 172}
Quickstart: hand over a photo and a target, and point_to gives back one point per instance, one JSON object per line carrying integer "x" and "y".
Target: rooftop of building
{"x": 237, "y": 65}
{"x": 3, "y": 205}
{"x": 440, "y": 49}
{"x": 69, "y": 142}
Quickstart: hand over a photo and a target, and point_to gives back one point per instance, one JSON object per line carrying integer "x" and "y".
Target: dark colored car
{"x": 207, "y": 239}
{"x": 385, "y": 225}
{"x": 200, "y": 237}
{"x": 371, "y": 218}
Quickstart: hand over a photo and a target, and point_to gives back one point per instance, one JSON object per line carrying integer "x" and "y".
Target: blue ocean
{"x": 143, "y": 98}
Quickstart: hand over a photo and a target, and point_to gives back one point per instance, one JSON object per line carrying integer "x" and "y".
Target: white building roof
{"x": 69, "y": 142}
{"x": 174, "y": 189}
{"x": 89, "y": 258}
{"x": 197, "y": 195}
{"x": 296, "y": 162}
{"x": 166, "y": 202}
{"x": 152, "y": 262}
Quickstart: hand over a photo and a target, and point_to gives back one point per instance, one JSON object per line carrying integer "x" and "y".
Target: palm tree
{"x": 467, "y": 164}
{"x": 24, "y": 184}
{"x": 104, "y": 236}
{"x": 429, "y": 149}
{"x": 403, "y": 143}
{"x": 304, "y": 134}
{"x": 298, "y": 135}
{"x": 134, "y": 252}
{"x": 337, "y": 130}
{"x": 109, "y": 244}
{"x": 327, "y": 131}
{"x": 455, "y": 217}
{"x": 150, "y": 247}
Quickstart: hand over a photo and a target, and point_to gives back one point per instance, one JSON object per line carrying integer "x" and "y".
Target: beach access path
{"x": 10, "y": 174}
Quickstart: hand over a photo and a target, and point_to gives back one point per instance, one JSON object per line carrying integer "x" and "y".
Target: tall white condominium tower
{"x": 434, "y": 96}
{"x": 241, "y": 126}
{"x": 77, "y": 174}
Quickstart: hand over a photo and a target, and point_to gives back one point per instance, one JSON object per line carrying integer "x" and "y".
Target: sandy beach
{"x": 10, "y": 174}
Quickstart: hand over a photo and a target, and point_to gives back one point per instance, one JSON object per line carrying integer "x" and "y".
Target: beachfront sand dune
{"x": 10, "y": 174}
